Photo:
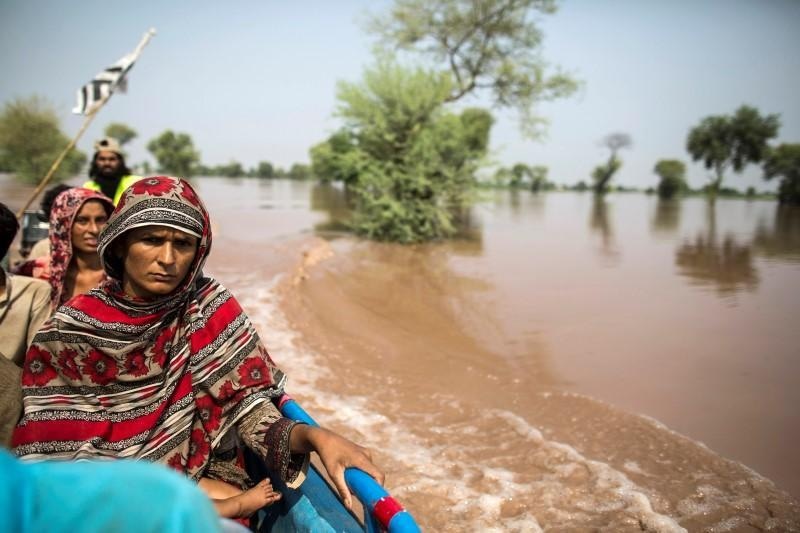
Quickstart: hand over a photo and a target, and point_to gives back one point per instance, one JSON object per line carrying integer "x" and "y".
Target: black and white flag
{"x": 102, "y": 85}
{"x": 105, "y": 83}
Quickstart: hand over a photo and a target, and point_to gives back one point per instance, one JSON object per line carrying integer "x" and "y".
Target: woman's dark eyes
{"x": 159, "y": 240}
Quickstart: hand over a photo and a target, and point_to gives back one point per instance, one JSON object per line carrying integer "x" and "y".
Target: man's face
{"x": 108, "y": 163}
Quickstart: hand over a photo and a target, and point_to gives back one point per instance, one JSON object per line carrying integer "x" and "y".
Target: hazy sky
{"x": 253, "y": 81}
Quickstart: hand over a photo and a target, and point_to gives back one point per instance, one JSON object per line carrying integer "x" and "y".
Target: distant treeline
{"x": 263, "y": 170}
{"x": 522, "y": 177}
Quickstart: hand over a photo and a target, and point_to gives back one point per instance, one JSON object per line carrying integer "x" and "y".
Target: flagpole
{"x": 88, "y": 120}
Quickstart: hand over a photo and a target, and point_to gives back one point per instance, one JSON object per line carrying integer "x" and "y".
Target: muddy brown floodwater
{"x": 572, "y": 364}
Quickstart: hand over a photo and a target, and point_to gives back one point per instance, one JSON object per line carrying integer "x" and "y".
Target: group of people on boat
{"x": 124, "y": 349}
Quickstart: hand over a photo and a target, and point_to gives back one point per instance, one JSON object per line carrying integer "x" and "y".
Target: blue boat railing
{"x": 381, "y": 511}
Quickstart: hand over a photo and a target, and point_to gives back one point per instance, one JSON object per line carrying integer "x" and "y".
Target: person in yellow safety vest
{"x": 108, "y": 173}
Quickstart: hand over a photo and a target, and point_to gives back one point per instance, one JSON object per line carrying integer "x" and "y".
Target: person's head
{"x": 157, "y": 239}
{"x": 90, "y": 219}
{"x": 76, "y": 218}
{"x": 49, "y": 197}
{"x": 108, "y": 161}
{"x": 8, "y": 229}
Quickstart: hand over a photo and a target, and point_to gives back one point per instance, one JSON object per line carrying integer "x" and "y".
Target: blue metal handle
{"x": 369, "y": 492}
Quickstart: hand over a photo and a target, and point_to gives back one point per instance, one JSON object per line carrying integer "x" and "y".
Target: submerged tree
{"x": 175, "y": 153}
{"x": 724, "y": 141}
{"x": 409, "y": 163}
{"x": 264, "y": 170}
{"x": 233, "y": 169}
{"x": 31, "y": 140}
{"x": 602, "y": 174}
{"x": 299, "y": 171}
{"x": 671, "y": 172}
{"x": 784, "y": 162}
{"x": 522, "y": 175}
{"x": 488, "y": 46}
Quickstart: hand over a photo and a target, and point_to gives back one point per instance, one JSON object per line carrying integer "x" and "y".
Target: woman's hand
{"x": 336, "y": 454}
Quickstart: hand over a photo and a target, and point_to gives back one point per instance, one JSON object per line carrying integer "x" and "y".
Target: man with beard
{"x": 108, "y": 173}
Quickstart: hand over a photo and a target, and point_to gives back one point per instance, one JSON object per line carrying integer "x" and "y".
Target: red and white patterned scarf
{"x": 110, "y": 375}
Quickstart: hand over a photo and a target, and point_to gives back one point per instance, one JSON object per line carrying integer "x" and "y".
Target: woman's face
{"x": 156, "y": 259}
{"x": 91, "y": 218}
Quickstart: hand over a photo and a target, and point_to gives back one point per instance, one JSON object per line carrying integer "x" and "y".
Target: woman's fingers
{"x": 337, "y": 454}
{"x": 341, "y": 487}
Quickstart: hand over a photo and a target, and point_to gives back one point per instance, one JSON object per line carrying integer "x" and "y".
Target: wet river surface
{"x": 573, "y": 363}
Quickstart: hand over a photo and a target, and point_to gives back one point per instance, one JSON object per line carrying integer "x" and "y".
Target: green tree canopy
{"x": 175, "y": 153}
{"x": 31, "y": 140}
{"x": 121, "y": 132}
{"x": 336, "y": 159}
{"x": 264, "y": 170}
{"x": 233, "y": 169}
{"x": 487, "y": 46}
{"x": 784, "y": 162}
{"x": 299, "y": 171}
{"x": 522, "y": 175}
{"x": 409, "y": 163}
{"x": 724, "y": 141}
{"x": 672, "y": 173}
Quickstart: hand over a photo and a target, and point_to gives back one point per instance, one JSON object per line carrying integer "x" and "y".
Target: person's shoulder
{"x": 33, "y": 290}
{"x": 25, "y": 283}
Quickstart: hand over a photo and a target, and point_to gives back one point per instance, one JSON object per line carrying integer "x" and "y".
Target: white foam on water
{"x": 422, "y": 463}
{"x": 445, "y": 472}
{"x": 702, "y": 502}
{"x": 605, "y": 478}
{"x": 634, "y": 468}
{"x": 733, "y": 523}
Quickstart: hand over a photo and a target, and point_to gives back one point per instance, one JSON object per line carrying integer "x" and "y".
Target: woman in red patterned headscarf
{"x": 73, "y": 266}
{"x": 161, "y": 363}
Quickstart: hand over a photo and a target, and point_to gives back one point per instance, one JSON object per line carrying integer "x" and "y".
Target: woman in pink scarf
{"x": 73, "y": 266}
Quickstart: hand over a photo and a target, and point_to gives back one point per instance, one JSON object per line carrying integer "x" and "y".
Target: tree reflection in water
{"x": 783, "y": 240}
{"x": 721, "y": 263}
{"x": 667, "y": 217}
{"x": 599, "y": 221}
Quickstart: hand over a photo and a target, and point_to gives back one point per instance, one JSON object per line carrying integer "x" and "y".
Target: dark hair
{"x": 123, "y": 169}
{"x": 50, "y": 197}
{"x": 8, "y": 229}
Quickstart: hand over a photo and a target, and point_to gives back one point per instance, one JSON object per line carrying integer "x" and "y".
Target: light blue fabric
{"x": 110, "y": 496}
